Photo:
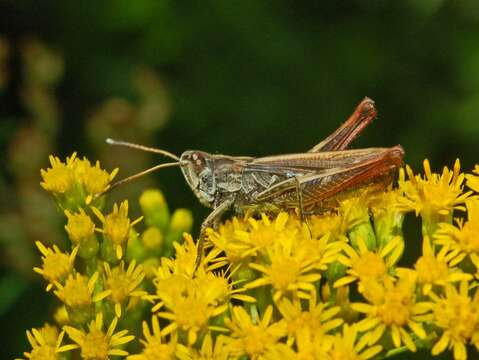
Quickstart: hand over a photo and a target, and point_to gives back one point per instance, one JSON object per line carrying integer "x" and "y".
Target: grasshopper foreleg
{"x": 210, "y": 221}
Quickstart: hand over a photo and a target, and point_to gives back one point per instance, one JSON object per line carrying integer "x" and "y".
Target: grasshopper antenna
{"x": 140, "y": 174}
{"x": 141, "y": 147}
{"x": 144, "y": 172}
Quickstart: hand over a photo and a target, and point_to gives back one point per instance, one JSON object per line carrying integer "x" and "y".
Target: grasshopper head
{"x": 198, "y": 170}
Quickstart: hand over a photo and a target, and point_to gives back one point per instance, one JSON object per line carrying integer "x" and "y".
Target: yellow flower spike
{"x": 393, "y": 307}
{"x": 56, "y": 264}
{"x": 435, "y": 196}
{"x": 46, "y": 344}
{"x": 59, "y": 178}
{"x": 438, "y": 269}
{"x": 457, "y": 315}
{"x": 155, "y": 345}
{"x": 364, "y": 265}
{"x": 472, "y": 181}
{"x": 253, "y": 337}
{"x": 121, "y": 285}
{"x": 463, "y": 238}
{"x": 95, "y": 344}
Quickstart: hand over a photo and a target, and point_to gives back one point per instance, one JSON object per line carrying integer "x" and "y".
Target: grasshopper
{"x": 309, "y": 181}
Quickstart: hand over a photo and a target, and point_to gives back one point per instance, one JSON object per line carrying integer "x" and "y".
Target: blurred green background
{"x": 235, "y": 77}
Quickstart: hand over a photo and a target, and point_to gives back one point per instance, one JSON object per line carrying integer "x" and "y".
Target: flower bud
{"x": 181, "y": 222}
{"x": 155, "y": 209}
{"x": 152, "y": 239}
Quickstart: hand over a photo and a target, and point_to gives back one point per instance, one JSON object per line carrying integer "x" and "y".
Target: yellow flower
{"x": 75, "y": 181}
{"x": 79, "y": 228}
{"x": 318, "y": 318}
{"x": 46, "y": 344}
{"x": 253, "y": 336}
{"x": 392, "y": 306}
{"x": 225, "y": 239}
{"x": 117, "y": 226}
{"x": 120, "y": 285}
{"x": 56, "y": 264}
{"x": 77, "y": 291}
{"x": 458, "y": 317}
{"x": 186, "y": 255}
{"x": 210, "y": 350}
{"x": 189, "y": 311}
{"x": 191, "y": 302}
{"x": 95, "y": 344}
{"x": 293, "y": 261}
{"x": 219, "y": 288}
{"x": 437, "y": 269}
{"x": 366, "y": 265}
{"x": 345, "y": 346}
{"x": 472, "y": 181}
{"x": 465, "y": 237}
{"x": 155, "y": 347}
{"x": 94, "y": 179}
{"x": 309, "y": 345}
{"x": 328, "y": 223}
{"x": 262, "y": 234}
{"x": 435, "y": 196}
{"x": 59, "y": 178}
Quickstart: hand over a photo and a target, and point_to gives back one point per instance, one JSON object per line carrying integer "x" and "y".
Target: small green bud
{"x": 181, "y": 221}
{"x": 135, "y": 248}
{"x": 152, "y": 239}
{"x": 155, "y": 209}
{"x": 365, "y": 232}
{"x": 149, "y": 266}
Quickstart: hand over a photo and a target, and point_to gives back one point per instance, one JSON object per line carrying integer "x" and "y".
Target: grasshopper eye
{"x": 197, "y": 159}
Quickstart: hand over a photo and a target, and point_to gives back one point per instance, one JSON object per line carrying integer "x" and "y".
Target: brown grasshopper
{"x": 306, "y": 181}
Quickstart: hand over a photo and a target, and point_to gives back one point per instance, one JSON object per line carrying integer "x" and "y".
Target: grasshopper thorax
{"x": 198, "y": 170}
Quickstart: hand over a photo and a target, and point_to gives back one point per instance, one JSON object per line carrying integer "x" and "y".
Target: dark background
{"x": 235, "y": 77}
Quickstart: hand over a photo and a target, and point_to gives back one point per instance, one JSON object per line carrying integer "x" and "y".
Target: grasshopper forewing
{"x": 323, "y": 175}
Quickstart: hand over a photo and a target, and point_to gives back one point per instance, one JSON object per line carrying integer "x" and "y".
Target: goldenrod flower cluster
{"x": 269, "y": 286}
